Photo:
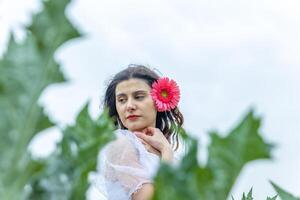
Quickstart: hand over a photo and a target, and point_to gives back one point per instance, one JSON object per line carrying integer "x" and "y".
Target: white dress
{"x": 124, "y": 165}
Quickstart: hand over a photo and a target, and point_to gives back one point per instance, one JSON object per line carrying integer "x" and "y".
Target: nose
{"x": 131, "y": 105}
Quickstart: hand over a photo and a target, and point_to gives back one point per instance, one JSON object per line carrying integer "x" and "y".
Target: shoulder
{"x": 124, "y": 140}
{"x": 121, "y": 150}
{"x": 123, "y": 137}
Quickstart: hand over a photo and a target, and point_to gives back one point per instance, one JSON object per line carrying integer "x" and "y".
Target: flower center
{"x": 164, "y": 94}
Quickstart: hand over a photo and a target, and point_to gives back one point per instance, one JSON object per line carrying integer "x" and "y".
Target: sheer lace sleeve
{"x": 125, "y": 166}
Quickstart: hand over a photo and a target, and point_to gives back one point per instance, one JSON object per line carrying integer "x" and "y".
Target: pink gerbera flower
{"x": 165, "y": 93}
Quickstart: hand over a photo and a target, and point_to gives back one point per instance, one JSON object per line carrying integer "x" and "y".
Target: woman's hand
{"x": 149, "y": 148}
{"x": 155, "y": 142}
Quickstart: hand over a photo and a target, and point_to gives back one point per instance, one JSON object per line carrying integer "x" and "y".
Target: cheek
{"x": 152, "y": 110}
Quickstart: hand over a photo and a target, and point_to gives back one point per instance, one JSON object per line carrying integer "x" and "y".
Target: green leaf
{"x": 66, "y": 175}
{"x": 180, "y": 182}
{"x": 284, "y": 195}
{"x": 249, "y": 195}
{"x": 227, "y": 156}
{"x": 51, "y": 27}
{"x": 26, "y": 69}
{"x": 272, "y": 198}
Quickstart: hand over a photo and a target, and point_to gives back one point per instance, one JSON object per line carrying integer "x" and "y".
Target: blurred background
{"x": 227, "y": 56}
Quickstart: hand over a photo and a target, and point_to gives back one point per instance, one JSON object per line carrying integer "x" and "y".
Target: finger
{"x": 148, "y": 131}
{"x": 137, "y": 132}
{"x": 151, "y": 149}
{"x": 145, "y": 143}
{"x": 142, "y": 136}
{"x": 142, "y": 141}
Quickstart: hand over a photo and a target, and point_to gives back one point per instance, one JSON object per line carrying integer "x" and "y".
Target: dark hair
{"x": 164, "y": 120}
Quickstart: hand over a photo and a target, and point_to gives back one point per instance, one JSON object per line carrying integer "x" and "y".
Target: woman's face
{"x": 135, "y": 105}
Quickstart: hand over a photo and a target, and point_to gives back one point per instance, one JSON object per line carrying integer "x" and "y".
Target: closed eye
{"x": 140, "y": 97}
{"x": 122, "y": 100}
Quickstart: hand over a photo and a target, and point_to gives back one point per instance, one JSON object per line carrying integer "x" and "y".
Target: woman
{"x": 144, "y": 107}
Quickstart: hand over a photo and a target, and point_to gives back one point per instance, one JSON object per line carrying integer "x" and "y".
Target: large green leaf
{"x": 180, "y": 182}
{"x": 26, "y": 69}
{"x": 284, "y": 195}
{"x": 67, "y": 169}
{"x": 227, "y": 156}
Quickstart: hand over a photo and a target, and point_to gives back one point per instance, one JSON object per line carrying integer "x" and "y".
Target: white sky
{"x": 226, "y": 56}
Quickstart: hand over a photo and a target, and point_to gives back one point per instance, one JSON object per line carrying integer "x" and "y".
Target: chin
{"x": 136, "y": 128}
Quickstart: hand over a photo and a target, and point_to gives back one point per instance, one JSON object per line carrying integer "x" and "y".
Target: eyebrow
{"x": 134, "y": 93}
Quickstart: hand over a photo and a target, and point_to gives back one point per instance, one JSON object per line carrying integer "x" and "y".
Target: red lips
{"x": 132, "y": 117}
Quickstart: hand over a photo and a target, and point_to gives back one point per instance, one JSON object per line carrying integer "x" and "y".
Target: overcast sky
{"x": 227, "y": 56}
